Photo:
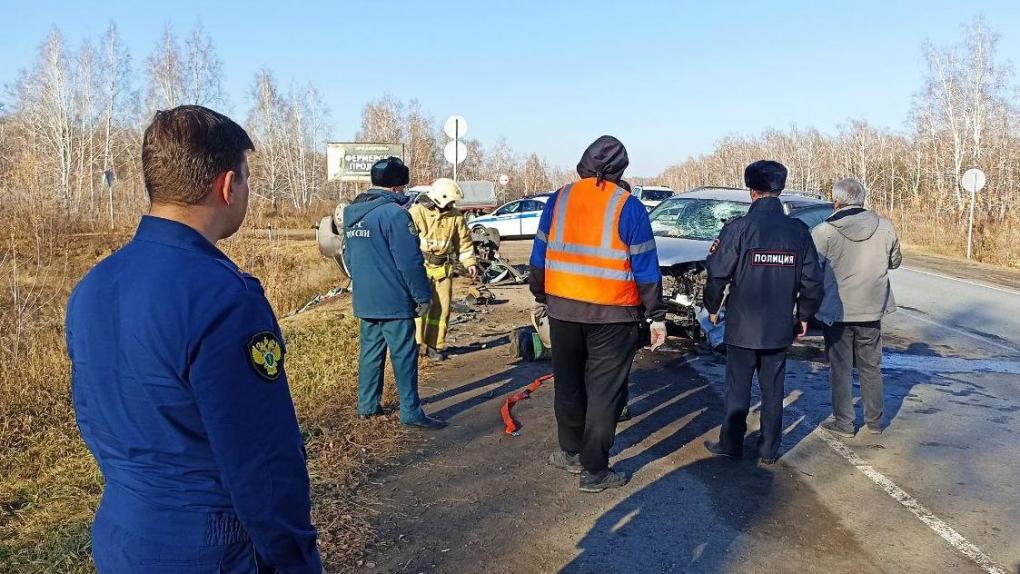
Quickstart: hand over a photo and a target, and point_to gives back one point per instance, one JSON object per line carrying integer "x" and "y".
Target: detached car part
{"x": 493, "y": 269}
{"x": 329, "y": 235}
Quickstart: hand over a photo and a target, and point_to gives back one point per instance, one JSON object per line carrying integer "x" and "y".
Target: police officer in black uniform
{"x": 769, "y": 262}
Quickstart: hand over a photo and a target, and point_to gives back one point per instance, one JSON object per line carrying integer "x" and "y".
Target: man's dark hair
{"x": 184, "y": 149}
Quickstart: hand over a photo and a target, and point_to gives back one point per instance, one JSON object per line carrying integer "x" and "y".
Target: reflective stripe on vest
{"x": 586, "y": 259}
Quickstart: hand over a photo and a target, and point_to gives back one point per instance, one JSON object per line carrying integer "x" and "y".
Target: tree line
{"x": 966, "y": 114}
{"x": 71, "y": 128}
{"x": 71, "y": 124}
{"x": 392, "y": 120}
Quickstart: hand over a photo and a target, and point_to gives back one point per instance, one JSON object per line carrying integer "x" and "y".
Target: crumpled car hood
{"x": 674, "y": 251}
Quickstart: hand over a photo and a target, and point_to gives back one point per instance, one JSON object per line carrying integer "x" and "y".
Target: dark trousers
{"x": 398, "y": 335}
{"x": 591, "y": 364}
{"x": 741, "y": 364}
{"x": 860, "y": 345}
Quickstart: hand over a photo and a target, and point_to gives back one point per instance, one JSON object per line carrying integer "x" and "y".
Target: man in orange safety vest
{"x": 595, "y": 273}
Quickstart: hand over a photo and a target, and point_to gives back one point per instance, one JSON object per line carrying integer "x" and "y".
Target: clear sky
{"x": 667, "y": 78}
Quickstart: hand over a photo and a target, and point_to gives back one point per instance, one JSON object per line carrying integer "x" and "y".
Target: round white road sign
{"x": 455, "y": 152}
{"x": 973, "y": 180}
{"x": 504, "y": 179}
{"x": 455, "y": 127}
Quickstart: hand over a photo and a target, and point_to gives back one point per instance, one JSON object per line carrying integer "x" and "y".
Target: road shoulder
{"x": 961, "y": 269}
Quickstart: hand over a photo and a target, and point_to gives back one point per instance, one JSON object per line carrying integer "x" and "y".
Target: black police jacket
{"x": 769, "y": 262}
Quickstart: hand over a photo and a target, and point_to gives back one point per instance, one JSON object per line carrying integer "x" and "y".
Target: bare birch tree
{"x": 201, "y": 71}
{"x": 165, "y": 73}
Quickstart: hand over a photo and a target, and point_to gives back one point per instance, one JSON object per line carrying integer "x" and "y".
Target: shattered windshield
{"x": 699, "y": 219}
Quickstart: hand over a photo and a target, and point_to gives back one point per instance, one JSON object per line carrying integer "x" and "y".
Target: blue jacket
{"x": 769, "y": 262}
{"x": 635, "y": 230}
{"x": 383, "y": 254}
{"x": 180, "y": 393}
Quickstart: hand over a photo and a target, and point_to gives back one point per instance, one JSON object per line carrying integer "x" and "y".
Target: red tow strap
{"x": 511, "y": 426}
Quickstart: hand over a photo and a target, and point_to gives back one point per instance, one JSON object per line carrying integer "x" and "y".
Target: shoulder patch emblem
{"x": 266, "y": 354}
{"x": 412, "y": 228}
{"x": 714, "y": 247}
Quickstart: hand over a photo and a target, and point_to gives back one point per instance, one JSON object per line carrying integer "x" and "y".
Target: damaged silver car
{"x": 685, "y": 227}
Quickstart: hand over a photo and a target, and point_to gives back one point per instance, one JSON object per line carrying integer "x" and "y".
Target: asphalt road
{"x": 937, "y": 492}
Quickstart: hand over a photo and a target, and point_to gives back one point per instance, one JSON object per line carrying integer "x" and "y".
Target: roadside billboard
{"x": 353, "y": 161}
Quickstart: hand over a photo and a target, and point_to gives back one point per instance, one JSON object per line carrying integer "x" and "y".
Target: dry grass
{"x": 342, "y": 450}
{"x": 994, "y": 243}
{"x": 49, "y": 483}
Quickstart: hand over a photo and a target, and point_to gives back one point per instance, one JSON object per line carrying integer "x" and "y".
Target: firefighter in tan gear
{"x": 443, "y": 234}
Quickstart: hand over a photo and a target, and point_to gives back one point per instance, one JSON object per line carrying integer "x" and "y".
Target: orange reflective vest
{"x": 586, "y": 260}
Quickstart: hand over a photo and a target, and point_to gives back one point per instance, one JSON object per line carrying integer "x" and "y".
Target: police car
{"x": 685, "y": 227}
{"x": 517, "y": 218}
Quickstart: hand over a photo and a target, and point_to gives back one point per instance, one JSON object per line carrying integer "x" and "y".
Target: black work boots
{"x": 603, "y": 480}
{"x": 427, "y": 423}
{"x": 587, "y": 481}
{"x": 568, "y": 462}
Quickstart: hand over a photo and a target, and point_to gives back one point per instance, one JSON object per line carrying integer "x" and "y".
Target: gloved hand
{"x": 539, "y": 311}
{"x": 423, "y": 308}
{"x": 658, "y": 330}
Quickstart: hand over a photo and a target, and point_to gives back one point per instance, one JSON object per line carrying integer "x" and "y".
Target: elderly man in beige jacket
{"x": 856, "y": 249}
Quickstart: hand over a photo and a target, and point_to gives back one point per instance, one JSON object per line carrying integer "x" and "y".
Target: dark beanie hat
{"x": 605, "y": 158}
{"x": 765, "y": 176}
{"x": 390, "y": 172}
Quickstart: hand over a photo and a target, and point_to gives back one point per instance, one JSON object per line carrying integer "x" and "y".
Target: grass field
{"x": 49, "y": 483}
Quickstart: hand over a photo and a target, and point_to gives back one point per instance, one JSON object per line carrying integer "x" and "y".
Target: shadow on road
{"x": 474, "y": 492}
{"x": 515, "y": 377}
{"x": 670, "y": 526}
{"x": 455, "y": 351}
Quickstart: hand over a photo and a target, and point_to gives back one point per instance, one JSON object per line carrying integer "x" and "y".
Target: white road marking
{"x": 986, "y": 340}
{"x": 965, "y": 281}
{"x": 954, "y": 538}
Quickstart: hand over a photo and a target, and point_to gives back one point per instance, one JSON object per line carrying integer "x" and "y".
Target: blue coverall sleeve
{"x": 721, "y": 264}
{"x": 254, "y": 435}
{"x": 403, "y": 240}
{"x": 536, "y": 277}
{"x": 636, "y": 231}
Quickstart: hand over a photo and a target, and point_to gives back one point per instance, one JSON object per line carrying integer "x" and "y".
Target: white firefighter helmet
{"x": 542, "y": 327}
{"x": 444, "y": 193}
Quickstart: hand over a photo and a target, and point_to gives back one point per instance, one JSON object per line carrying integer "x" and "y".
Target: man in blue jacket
{"x": 178, "y": 377}
{"x": 390, "y": 289}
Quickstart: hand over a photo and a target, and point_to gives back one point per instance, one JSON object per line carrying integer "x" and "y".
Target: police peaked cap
{"x": 390, "y": 172}
{"x": 765, "y": 176}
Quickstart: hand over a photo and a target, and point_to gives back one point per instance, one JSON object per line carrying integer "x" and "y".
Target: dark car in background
{"x": 685, "y": 227}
